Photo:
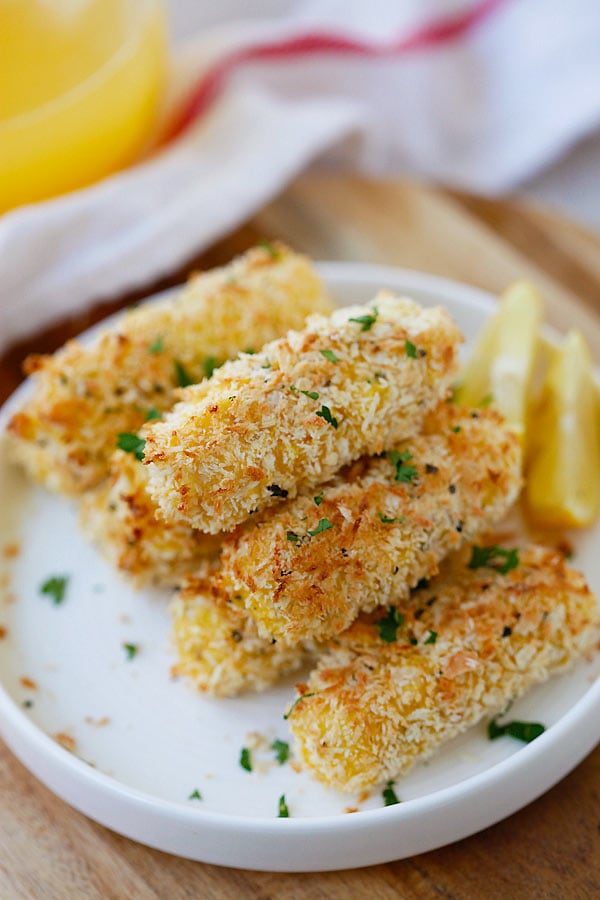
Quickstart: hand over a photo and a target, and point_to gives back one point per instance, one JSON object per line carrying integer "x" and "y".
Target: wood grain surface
{"x": 549, "y": 849}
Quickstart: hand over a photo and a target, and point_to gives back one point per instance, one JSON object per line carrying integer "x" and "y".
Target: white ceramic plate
{"x": 162, "y": 741}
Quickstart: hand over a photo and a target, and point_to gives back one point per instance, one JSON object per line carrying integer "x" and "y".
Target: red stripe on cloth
{"x": 428, "y": 36}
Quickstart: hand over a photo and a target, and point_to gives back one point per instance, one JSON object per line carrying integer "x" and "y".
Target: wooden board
{"x": 551, "y": 848}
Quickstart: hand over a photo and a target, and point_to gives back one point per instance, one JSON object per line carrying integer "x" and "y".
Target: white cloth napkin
{"x": 479, "y": 94}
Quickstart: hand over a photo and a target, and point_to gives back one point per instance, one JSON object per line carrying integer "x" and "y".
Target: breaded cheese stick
{"x": 307, "y": 570}
{"x": 401, "y": 681}
{"x": 84, "y": 396}
{"x": 217, "y": 645}
{"x": 120, "y": 518}
{"x": 268, "y": 425}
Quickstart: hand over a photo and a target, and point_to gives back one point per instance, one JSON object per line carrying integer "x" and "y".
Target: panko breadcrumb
{"x": 217, "y": 645}
{"x": 84, "y": 396}
{"x": 120, "y": 518}
{"x": 306, "y": 570}
{"x": 268, "y": 425}
{"x": 459, "y": 650}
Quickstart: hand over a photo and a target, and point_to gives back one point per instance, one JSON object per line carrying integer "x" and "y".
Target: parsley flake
{"x": 270, "y": 248}
{"x": 293, "y": 537}
{"x": 486, "y": 401}
{"x": 181, "y": 376}
{"x": 245, "y": 761}
{"x": 390, "y": 623}
{"x": 131, "y": 443}
{"x": 491, "y": 558}
{"x": 329, "y": 355}
{"x": 318, "y": 499}
{"x": 267, "y": 365}
{"x": 195, "y": 795}
{"x": 281, "y": 749}
{"x": 250, "y": 351}
{"x": 523, "y": 731}
{"x": 411, "y": 350}
{"x": 296, "y": 702}
{"x": 404, "y": 473}
{"x": 130, "y": 651}
{"x": 390, "y": 521}
{"x": 431, "y": 638}
{"x": 152, "y": 414}
{"x": 312, "y": 394}
{"x": 157, "y": 345}
{"x": 389, "y": 794}
{"x": 325, "y": 413}
{"x": 55, "y": 587}
{"x": 456, "y": 429}
{"x": 367, "y": 321}
{"x": 209, "y": 365}
{"x": 284, "y": 812}
{"x": 324, "y": 525}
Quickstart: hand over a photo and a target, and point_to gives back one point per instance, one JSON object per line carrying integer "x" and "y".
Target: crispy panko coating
{"x": 373, "y": 707}
{"x": 119, "y": 516}
{"x": 306, "y": 570}
{"x": 85, "y": 396}
{"x": 288, "y": 418}
{"x": 217, "y": 645}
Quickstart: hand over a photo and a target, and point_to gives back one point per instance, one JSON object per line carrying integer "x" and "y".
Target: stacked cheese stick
{"x": 298, "y": 496}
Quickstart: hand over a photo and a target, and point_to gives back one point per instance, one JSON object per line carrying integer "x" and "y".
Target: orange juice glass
{"x": 82, "y": 82}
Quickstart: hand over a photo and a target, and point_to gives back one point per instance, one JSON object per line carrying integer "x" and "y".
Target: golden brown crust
{"x": 378, "y": 707}
{"x": 84, "y": 396}
{"x": 382, "y": 535}
{"x": 266, "y": 426}
{"x": 217, "y": 645}
{"x": 120, "y": 518}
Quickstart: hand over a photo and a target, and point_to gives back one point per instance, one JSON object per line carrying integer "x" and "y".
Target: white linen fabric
{"x": 480, "y": 94}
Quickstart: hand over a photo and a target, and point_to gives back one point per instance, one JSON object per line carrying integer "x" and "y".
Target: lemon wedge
{"x": 501, "y": 366}
{"x": 563, "y": 471}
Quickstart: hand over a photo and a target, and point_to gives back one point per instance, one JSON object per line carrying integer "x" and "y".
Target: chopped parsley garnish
{"x": 456, "y": 429}
{"x": 131, "y": 443}
{"x": 250, "y": 351}
{"x": 494, "y": 557}
{"x": 152, "y": 414}
{"x": 325, "y": 413}
{"x": 276, "y": 491}
{"x": 293, "y": 537}
{"x": 157, "y": 345}
{"x": 390, "y": 521}
{"x": 195, "y": 795}
{"x": 389, "y": 795}
{"x": 431, "y": 638}
{"x": 487, "y": 400}
{"x": 318, "y": 499}
{"x": 367, "y": 321}
{"x": 181, "y": 376}
{"x": 404, "y": 473}
{"x": 284, "y": 812}
{"x": 130, "y": 651}
{"x": 55, "y": 587}
{"x": 523, "y": 731}
{"x": 281, "y": 749}
{"x": 245, "y": 761}
{"x": 209, "y": 365}
{"x": 329, "y": 355}
{"x": 388, "y": 626}
{"x": 270, "y": 248}
{"x": 411, "y": 349}
{"x": 324, "y": 525}
{"x": 312, "y": 394}
{"x": 296, "y": 702}
{"x": 267, "y": 365}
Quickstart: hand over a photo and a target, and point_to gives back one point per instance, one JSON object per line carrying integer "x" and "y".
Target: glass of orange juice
{"x": 82, "y": 82}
